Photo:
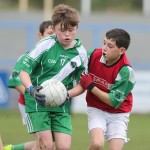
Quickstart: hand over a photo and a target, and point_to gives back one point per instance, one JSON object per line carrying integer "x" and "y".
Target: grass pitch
{"x": 12, "y": 131}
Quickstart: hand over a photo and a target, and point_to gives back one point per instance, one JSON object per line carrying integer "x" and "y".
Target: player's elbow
{"x": 116, "y": 101}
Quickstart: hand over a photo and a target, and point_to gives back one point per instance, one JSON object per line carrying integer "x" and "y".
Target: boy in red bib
{"x": 109, "y": 82}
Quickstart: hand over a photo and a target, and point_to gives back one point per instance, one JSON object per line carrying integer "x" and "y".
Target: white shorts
{"x": 23, "y": 113}
{"x": 114, "y": 125}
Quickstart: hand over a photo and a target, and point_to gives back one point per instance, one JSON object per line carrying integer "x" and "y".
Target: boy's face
{"x": 65, "y": 37}
{"x": 48, "y": 32}
{"x": 111, "y": 52}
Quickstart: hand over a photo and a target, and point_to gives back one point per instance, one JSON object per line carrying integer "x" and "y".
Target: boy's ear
{"x": 53, "y": 28}
{"x": 122, "y": 50}
{"x": 39, "y": 35}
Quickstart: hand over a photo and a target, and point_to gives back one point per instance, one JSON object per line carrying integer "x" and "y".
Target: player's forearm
{"x": 103, "y": 96}
{"x": 25, "y": 79}
{"x": 20, "y": 89}
{"x": 77, "y": 90}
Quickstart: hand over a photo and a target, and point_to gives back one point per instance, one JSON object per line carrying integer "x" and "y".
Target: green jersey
{"x": 89, "y": 52}
{"x": 50, "y": 60}
{"x": 14, "y": 79}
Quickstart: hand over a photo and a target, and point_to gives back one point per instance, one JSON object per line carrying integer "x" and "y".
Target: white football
{"x": 55, "y": 92}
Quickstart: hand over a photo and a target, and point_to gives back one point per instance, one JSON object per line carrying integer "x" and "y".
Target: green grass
{"x": 13, "y": 132}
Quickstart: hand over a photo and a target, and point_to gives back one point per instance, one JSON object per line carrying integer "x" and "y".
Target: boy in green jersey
{"x": 45, "y": 29}
{"x": 59, "y": 57}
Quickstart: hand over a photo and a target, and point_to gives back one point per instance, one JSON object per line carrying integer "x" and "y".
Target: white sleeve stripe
{"x": 83, "y": 54}
{"x": 132, "y": 75}
{"x": 41, "y": 47}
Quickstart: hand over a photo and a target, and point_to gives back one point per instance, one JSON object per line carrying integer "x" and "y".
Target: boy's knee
{"x": 63, "y": 148}
{"x": 46, "y": 145}
{"x": 96, "y": 146}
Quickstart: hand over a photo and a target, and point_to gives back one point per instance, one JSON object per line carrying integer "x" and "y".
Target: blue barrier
{"x": 4, "y": 94}
{"x": 98, "y": 29}
{"x": 95, "y": 29}
{"x": 30, "y": 28}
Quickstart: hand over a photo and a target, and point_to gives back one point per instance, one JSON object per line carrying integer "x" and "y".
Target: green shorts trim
{"x": 56, "y": 122}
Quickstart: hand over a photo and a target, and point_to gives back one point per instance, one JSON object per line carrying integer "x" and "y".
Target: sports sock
{"x": 18, "y": 147}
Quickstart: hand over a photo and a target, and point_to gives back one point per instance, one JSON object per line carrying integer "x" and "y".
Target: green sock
{"x": 18, "y": 147}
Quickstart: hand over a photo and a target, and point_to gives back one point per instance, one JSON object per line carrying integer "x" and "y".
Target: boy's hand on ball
{"x": 34, "y": 92}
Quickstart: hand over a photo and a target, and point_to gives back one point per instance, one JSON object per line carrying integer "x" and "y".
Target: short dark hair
{"x": 121, "y": 37}
{"x": 44, "y": 25}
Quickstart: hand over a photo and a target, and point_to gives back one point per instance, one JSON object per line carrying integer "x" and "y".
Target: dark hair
{"x": 66, "y": 15}
{"x": 121, "y": 37}
{"x": 44, "y": 25}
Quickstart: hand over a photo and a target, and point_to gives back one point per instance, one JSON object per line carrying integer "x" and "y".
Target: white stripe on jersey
{"x": 132, "y": 75}
{"x": 42, "y": 46}
{"x": 67, "y": 69}
{"x": 83, "y": 54}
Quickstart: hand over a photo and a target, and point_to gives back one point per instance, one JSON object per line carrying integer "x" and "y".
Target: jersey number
{"x": 62, "y": 61}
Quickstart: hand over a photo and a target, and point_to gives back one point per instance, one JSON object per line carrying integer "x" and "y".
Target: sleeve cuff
{"x": 90, "y": 87}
